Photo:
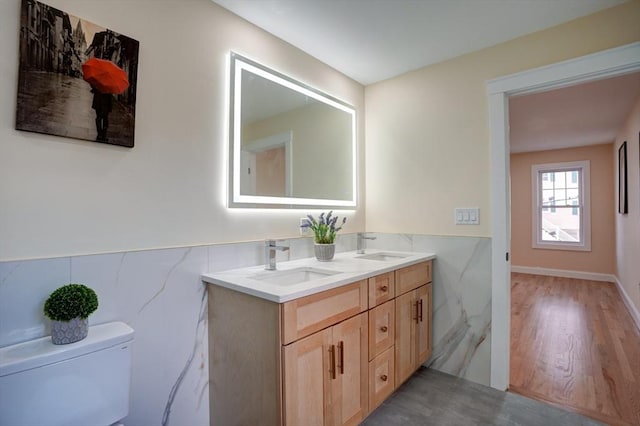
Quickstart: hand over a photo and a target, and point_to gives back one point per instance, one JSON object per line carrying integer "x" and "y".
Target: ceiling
{"x": 585, "y": 114}
{"x": 373, "y": 40}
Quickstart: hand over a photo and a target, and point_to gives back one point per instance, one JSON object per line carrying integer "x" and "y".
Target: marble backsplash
{"x": 461, "y": 300}
{"x": 160, "y": 295}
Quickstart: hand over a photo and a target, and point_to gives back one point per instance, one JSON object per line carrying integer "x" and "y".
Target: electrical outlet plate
{"x": 304, "y": 231}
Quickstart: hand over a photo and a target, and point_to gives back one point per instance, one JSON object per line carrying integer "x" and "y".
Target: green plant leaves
{"x": 324, "y": 229}
{"x": 71, "y": 301}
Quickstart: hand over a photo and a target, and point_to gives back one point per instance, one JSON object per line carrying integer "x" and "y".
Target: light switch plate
{"x": 467, "y": 216}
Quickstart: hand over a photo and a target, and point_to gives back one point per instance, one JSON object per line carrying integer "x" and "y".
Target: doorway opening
{"x": 265, "y": 166}
{"x": 609, "y": 63}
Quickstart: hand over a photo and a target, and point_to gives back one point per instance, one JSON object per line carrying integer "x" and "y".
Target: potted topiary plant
{"x": 324, "y": 234}
{"x": 68, "y": 308}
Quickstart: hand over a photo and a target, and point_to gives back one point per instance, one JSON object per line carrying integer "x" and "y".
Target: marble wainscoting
{"x": 160, "y": 295}
{"x": 461, "y": 300}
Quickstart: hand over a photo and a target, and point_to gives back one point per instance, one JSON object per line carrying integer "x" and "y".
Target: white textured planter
{"x": 63, "y": 332}
{"x": 325, "y": 252}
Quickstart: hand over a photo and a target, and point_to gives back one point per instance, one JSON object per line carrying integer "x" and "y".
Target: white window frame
{"x": 585, "y": 208}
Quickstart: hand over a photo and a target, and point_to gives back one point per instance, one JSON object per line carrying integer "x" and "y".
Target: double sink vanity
{"x": 316, "y": 343}
{"x": 309, "y": 342}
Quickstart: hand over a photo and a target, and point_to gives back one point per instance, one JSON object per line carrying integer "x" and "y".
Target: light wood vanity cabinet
{"x": 326, "y": 373}
{"x": 413, "y": 319}
{"x": 381, "y": 337}
{"x": 401, "y": 327}
{"x": 325, "y": 376}
{"x": 325, "y": 359}
{"x": 413, "y": 331}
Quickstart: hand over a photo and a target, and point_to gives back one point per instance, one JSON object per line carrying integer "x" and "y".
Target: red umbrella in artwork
{"x": 105, "y": 76}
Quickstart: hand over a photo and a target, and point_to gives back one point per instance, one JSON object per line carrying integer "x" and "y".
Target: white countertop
{"x": 349, "y": 268}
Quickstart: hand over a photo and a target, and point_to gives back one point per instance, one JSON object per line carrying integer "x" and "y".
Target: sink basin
{"x": 293, "y": 276}
{"x": 384, "y": 257}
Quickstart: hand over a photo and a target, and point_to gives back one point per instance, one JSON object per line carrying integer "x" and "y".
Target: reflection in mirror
{"x": 291, "y": 146}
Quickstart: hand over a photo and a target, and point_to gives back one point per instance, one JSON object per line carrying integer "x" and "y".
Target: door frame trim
{"x": 608, "y": 63}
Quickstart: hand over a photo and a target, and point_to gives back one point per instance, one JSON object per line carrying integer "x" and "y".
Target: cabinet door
{"x": 307, "y": 364}
{"x": 349, "y": 389}
{"x": 423, "y": 325}
{"x": 405, "y": 349}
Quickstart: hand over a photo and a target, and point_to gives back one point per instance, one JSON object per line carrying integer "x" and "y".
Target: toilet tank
{"x": 79, "y": 384}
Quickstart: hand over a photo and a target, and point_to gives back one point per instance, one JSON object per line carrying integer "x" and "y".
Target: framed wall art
{"x": 623, "y": 202}
{"x": 76, "y": 79}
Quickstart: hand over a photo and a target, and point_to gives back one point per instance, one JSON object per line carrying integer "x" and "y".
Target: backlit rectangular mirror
{"x": 291, "y": 146}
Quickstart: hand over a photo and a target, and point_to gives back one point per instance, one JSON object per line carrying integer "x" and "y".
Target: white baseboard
{"x": 633, "y": 311}
{"x": 593, "y": 276}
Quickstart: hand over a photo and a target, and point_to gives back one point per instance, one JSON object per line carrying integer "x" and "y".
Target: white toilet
{"x": 79, "y": 384}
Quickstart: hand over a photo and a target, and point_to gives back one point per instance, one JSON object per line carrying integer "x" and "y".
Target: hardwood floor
{"x": 574, "y": 344}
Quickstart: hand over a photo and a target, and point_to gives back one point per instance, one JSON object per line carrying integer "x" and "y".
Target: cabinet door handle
{"x": 384, "y": 378}
{"x": 341, "y": 356}
{"x": 384, "y": 288}
{"x": 332, "y": 361}
{"x": 384, "y": 328}
{"x": 420, "y": 310}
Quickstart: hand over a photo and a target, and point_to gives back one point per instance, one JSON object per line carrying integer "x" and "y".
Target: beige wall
{"x": 322, "y": 159}
{"x": 627, "y": 226}
{"x": 427, "y": 135}
{"x": 63, "y": 197}
{"x": 601, "y": 258}
{"x": 428, "y": 146}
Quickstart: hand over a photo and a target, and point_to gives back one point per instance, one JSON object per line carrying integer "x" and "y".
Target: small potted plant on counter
{"x": 324, "y": 231}
{"x": 68, "y": 308}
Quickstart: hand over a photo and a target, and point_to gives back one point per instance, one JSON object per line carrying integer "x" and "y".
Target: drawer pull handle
{"x": 332, "y": 361}
{"x": 384, "y": 377}
{"x": 384, "y": 328}
{"x": 384, "y": 288}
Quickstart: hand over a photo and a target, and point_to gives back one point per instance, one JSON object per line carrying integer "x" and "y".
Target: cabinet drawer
{"x": 306, "y": 315}
{"x": 381, "y": 328}
{"x": 381, "y": 378}
{"x": 412, "y": 277}
{"x": 381, "y": 288}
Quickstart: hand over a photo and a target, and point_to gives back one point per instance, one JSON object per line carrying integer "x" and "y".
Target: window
{"x": 561, "y": 208}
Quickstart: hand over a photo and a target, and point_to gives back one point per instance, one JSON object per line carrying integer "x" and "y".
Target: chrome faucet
{"x": 270, "y": 248}
{"x": 360, "y": 242}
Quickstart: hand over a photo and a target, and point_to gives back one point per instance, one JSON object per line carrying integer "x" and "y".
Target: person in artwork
{"x": 102, "y": 103}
